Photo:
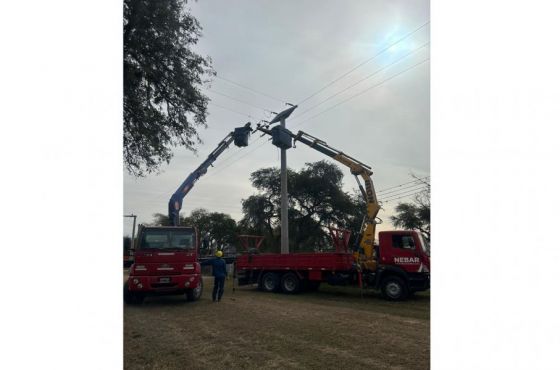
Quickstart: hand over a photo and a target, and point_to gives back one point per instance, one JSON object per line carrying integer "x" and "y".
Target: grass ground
{"x": 332, "y": 328}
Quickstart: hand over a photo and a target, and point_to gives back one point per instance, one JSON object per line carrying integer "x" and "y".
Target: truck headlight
{"x": 187, "y": 284}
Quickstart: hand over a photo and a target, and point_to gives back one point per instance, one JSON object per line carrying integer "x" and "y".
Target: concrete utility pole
{"x": 284, "y": 238}
{"x": 133, "y": 227}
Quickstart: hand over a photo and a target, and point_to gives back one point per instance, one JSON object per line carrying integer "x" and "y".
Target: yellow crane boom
{"x": 365, "y": 256}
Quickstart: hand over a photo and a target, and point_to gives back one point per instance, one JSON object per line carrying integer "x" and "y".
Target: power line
{"x": 360, "y": 81}
{"x": 364, "y": 62}
{"x": 250, "y": 89}
{"x": 341, "y": 102}
{"x": 403, "y": 192}
{"x": 406, "y": 187}
{"x": 414, "y": 192}
{"x": 362, "y": 92}
{"x": 344, "y": 101}
{"x": 396, "y": 186}
{"x": 404, "y": 196}
{"x": 231, "y": 110}
{"x": 239, "y": 100}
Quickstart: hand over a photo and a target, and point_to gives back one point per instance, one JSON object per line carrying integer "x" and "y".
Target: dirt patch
{"x": 329, "y": 329}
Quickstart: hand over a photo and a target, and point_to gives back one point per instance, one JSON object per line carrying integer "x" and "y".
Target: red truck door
{"x": 401, "y": 249}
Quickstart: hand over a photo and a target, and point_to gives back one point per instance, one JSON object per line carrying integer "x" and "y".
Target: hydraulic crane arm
{"x": 176, "y": 201}
{"x": 358, "y": 169}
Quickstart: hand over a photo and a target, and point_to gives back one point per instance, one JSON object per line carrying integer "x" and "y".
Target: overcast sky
{"x": 290, "y": 49}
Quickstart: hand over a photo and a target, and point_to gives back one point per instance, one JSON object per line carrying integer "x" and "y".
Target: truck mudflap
{"x": 163, "y": 284}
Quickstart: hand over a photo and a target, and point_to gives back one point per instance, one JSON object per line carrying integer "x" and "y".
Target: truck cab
{"x": 403, "y": 263}
{"x": 165, "y": 262}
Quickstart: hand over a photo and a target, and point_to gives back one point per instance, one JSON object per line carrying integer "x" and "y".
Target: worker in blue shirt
{"x": 219, "y": 272}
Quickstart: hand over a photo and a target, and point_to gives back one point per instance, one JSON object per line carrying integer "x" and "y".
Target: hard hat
{"x": 219, "y": 254}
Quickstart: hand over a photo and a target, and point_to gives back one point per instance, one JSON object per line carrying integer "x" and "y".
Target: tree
{"x": 216, "y": 229}
{"x": 316, "y": 200}
{"x": 127, "y": 243}
{"x": 415, "y": 215}
{"x": 163, "y": 104}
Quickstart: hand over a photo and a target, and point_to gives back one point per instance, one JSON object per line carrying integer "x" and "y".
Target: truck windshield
{"x": 168, "y": 239}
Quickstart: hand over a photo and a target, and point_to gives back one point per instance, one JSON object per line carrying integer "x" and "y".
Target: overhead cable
{"x": 362, "y": 92}
{"x": 364, "y": 62}
{"x": 396, "y": 186}
{"x": 360, "y": 81}
{"x": 239, "y": 100}
{"x": 250, "y": 89}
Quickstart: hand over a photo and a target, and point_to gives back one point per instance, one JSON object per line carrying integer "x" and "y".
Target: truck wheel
{"x": 269, "y": 282}
{"x": 393, "y": 288}
{"x": 132, "y": 297}
{"x": 195, "y": 293}
{"x": 290, "y": 283}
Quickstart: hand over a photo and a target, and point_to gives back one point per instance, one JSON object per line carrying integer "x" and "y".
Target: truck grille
{"x": 163, "y": 285}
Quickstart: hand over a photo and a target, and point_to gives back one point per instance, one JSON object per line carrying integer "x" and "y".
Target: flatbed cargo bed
{"x": 329, "y": 261}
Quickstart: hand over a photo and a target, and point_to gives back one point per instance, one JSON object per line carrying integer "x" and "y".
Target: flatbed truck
{"x": 403, "y": 268}
{"x": 398, "y": 266}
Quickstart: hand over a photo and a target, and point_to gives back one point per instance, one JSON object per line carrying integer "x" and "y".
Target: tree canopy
{"x": 316, "y": 199}
{"x": 415, "y": 215}
{"x": 163, "y": 103}
{"x": 216, "y": 230}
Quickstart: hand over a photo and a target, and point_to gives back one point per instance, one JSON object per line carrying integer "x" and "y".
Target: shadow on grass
{"x": 348, "y": 292}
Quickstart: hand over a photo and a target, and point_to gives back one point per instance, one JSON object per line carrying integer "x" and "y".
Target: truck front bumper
{"x": 163, "y": 284}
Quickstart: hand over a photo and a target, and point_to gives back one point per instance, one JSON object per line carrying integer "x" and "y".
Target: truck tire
{"x": 132, "y": 297}
{"x": 195, "y": 293}
{"x": 393, "y": 288}
{"x": 290, "y": 283}
{"x": 270, "y": 282}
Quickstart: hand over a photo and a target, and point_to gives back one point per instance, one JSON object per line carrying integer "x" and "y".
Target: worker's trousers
{"x": 218, "y": 288}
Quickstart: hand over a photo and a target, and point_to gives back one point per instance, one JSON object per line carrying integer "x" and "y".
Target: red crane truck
{"x": 402, "y": 269}
{"x": 398, "y": 266}
{"x": 166, "y": 257}
{"x": 165, "y": 262}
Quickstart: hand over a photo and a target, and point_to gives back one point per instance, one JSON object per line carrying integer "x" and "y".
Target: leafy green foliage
{"x": 163, "y": 103}
{"x": 216, "y": 229}
{"x": 415, "y": 215}
{"x": 316, "y": 200}
{"x": 127, "y": 243}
